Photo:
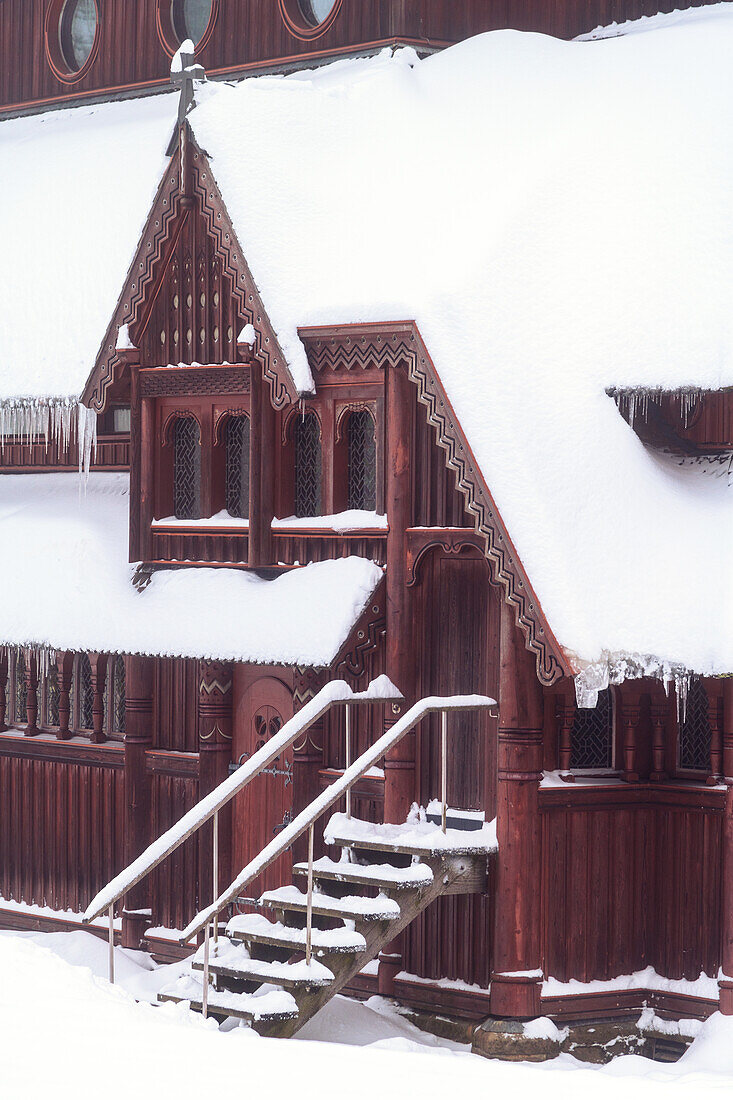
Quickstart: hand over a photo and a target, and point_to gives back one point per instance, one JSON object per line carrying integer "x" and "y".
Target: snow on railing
{"x": 332, "y": 793}
{"x": 336, "y": 692}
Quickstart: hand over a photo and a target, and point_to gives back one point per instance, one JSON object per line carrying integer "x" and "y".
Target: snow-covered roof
{"x": 555, "y": 216}
{"x": 76, "y": 189}
{"x": 66, "y": 584}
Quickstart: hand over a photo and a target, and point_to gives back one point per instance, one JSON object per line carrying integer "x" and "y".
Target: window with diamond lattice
{"x": 362, "y": 461}
{"x": 307, "y": 465}
{"x": 118, "y": 695}
{"x": 51, "y": 688}
{"x": 237, "y": 469}
{"x": 694, "y": 747}
{"x": 591, "y": 737}
{"x": 85, "y": 693}
{"x": 186, "y": 469}
{"x": 21, "y": 691}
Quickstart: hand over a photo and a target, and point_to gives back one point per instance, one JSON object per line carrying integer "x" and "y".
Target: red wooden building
{"x": 318, "y": 452}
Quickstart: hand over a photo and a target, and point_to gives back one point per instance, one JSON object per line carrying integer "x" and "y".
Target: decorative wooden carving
{"x": 630, "y": 713}
{"x": 64, "y": 672}
{"x": 566, "y": 711}
{"x": 215, "y": 752}
{"x": 193, "y": 381}
{"x": 715, "y": 717}
{"x": 98, "y": 663}
{"x": 401, "y": 345}
{"x": 658, "y": 715}
{"x": 451, "y": 540}
{"x": 31, "y": 696}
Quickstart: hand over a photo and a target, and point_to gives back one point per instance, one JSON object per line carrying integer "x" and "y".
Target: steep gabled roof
{"x": 553, "y": 216}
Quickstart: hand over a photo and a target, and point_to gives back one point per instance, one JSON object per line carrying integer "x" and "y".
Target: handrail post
{"x": 444, "y": 768}
{"x": 309, "y": 903}
{"x": 111, "y": 914}
{"x": 348, "y": 757}
{"x": 215, "y": 873}
{"x": 205, "y": 997}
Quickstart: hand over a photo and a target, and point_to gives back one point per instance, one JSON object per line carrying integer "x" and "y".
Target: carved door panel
{"x": 263, "y": 807}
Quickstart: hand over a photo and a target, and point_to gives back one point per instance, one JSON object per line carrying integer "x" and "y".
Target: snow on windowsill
{"x": 355, "y": 519}
{"x": 218, "y": 520}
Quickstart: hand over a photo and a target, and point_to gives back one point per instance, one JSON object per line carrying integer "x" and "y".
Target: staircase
{"x": 277, "y": 974}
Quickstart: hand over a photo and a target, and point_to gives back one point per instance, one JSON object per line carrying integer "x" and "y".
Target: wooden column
{"x": 147, "y": 477}
{"x": 726, "y": 963}
{"x": 516, "y": 977}
{"x": 136, "y": 551}
{"x": 399, "y": 779}
{"x": 261, "y": 470}
{"x": 658, "y": 715}
{"x": 715, "y": 718}
{"x": 31, "y": 698}
{"x": 3, "y": 687}
{"x": 64, "y": 670}
{"x": 98, "y": 665}
{"x": 307, "y": 755}
{"x": 215, "y": 753}
{"x": 139, "y": 680}
{"x": 630, "y": 713}
{"x": 566, "y": 711}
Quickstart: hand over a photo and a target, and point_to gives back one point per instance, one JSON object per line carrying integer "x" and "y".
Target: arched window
{"x": 694, "y": 741}
{"x": 362, "y": 461}
{"x": 77, "y": 31}
{"x": 186, "y": 469}
{"x": 237, "y": 466}
{"x": 190, "y": 18}
{"x": 591, "y": 737}
{"x": 84, "y": 693}
{"x": 51, "y": 696}
{"x": 307, "y": 465}
{"x": 116, "y": 694}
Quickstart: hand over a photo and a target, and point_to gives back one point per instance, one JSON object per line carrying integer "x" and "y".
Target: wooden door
{"x": 263, "y": 807}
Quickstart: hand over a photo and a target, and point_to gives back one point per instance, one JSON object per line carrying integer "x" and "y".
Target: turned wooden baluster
{"x": 659, "y": 737}
{"x": 715, "y": 718}
{"x": 630, "y": 716}
{"x": 31, "y": 697}
{"x": 64, "y": 668}
{"x": 98, "y": 665}
{"x": 566, "y": 711}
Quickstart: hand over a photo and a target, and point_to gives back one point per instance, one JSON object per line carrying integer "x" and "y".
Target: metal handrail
{"x": 335, "y": 693}
{"x": 307, "y": 817}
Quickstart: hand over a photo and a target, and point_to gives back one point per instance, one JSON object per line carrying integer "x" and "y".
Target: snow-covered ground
{"x": 67, "y": 1033}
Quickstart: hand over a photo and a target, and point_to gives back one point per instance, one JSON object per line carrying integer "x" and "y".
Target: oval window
{"x": 316, "y": 11}
{"x": 190, "y": 18}
{"x": 77, "y": 31}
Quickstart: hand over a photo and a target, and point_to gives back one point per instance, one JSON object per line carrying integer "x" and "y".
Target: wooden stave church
{"x": 114, "y": 790}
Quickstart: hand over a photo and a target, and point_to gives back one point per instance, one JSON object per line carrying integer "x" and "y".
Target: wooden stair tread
{"x": 349, "y": 908}
{"x": 417, "y": 838}
{"x": 254, "y": 928}
{"x": 273, "y": 1005}
{"x": 235, "y": 963}
{"x": 373, "y": 874}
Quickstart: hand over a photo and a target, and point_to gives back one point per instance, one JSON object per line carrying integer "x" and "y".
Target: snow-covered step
{"x": 420, "y": 838}
{"x": 348, "y": 908}
{"x": 274, "y": 1004}
{"x": 372, "y": 874}
{"x": 236, "y": 964}
{"x": 254, "y": 928}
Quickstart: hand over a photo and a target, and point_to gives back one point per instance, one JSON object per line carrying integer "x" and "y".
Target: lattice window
{"x": 51, "y": 700}
{"x": 591, "y": 737}
{"x": 694, "y": 746}
{"x": 117, "y": 695}
{"x": 362, "y": 461}
{"x": 186, "y": 469}
{"x": 307, "y": 465}
{"x": 237, "y": 471}
{"x": 85, "y": 692}
{"x": 21, "y": 691}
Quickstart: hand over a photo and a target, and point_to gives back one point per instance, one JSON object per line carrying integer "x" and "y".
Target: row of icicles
{"x": 59, "y": 420}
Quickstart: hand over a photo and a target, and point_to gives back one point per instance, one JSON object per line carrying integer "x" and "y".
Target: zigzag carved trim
{"x": 159, "y": 237}
{"x": 401, "y": 343}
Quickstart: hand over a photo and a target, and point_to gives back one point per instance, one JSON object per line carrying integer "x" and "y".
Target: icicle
{"x": 682, "y": 687}
{"x": 86, "y": 437}
{"x": 59, "y": 420}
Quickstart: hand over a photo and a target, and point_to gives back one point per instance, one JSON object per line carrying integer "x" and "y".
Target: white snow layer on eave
{"x": 77, "y": 186}
{"x": 67, "y": 584}
{"x": 553, "y": 216}
{"x": 660, "y": 21}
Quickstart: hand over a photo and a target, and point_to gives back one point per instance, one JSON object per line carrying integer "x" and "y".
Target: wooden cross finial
{"x": 184, "y": 72}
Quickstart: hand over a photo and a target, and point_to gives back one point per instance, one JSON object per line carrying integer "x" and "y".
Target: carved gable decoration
{"x": 189, "y": 290}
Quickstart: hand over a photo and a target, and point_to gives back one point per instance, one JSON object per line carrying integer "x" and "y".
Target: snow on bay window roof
{"x": 67, "y": 584}
{"x": 76, "y": 189}
{"x": 553, "y": 216}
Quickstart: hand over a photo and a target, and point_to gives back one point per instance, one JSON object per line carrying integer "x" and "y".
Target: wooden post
{"x": 566, "y": 711}
{"x": 516, "y": 977}
{"x": 659, "y": 739}
{"x": 399, "y": 765}
{"x": 261, "y": 470}
{"x": 132, "y": 358}
{"x": 215, "y": 753}
{"x": 630, "y": 713}
{"x": 64, "y": 670}
{"x": 147, "y": 477}
{"x": 31, "y": 697}
{"x": 307, "y": 754}
{"x": 728, "y": 728}
{"x": 139, "y": 680}
{"x": 3, "y": 688}
{"x": 715, "y": 718}
{"x": 98, "y": 665}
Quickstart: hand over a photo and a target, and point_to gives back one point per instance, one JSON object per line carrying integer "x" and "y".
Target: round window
{"x": 316, "y": 12}
{"x": 190, "y": 18}
{"x": 77, "y": 31}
